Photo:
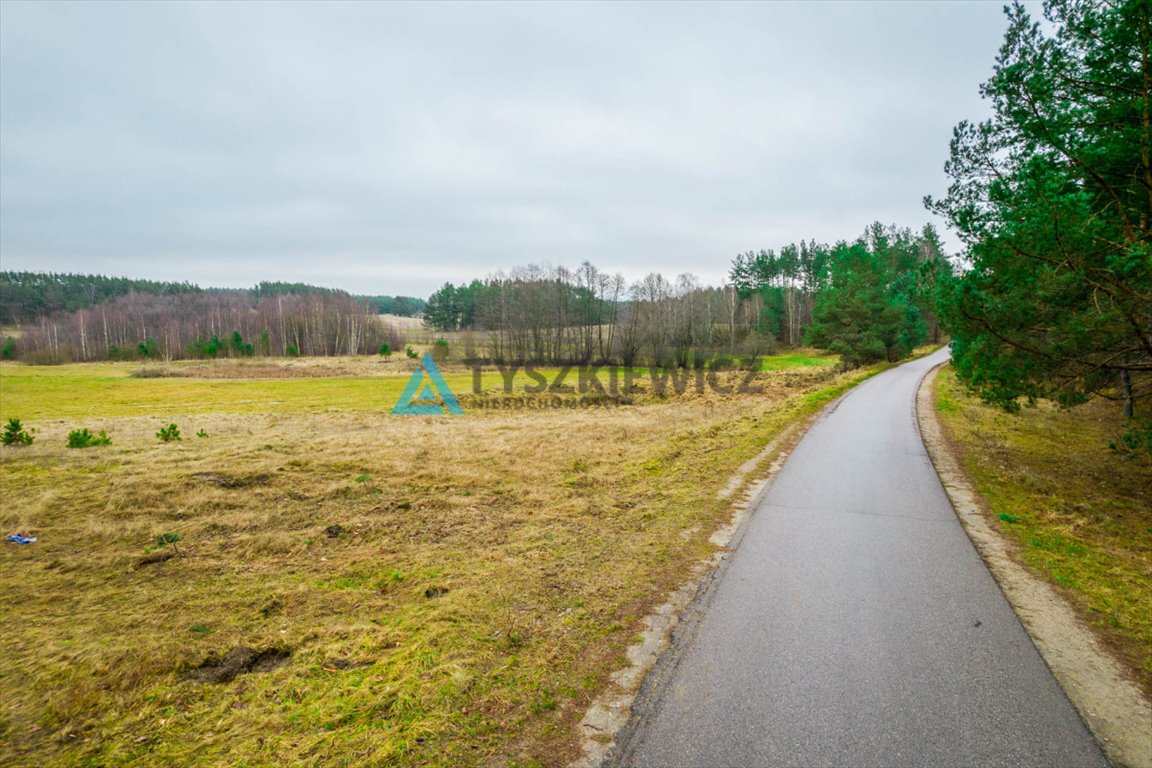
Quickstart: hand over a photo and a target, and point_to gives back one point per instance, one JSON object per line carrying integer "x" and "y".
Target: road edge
{"x": 614, "y": 715}
{"x": 1111, "y": 706}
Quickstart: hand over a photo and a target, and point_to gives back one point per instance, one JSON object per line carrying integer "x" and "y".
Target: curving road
{"x": 855, "y": 625}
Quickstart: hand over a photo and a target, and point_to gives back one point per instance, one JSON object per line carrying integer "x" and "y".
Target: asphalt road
{"x": 855, "y": 625}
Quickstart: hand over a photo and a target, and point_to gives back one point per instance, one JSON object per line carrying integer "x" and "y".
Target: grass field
{"x": 411, "y": 590}
{"x": 1079, "y": 514}
{"x": 189, "y": 390}
{"x": 796, "y": 359}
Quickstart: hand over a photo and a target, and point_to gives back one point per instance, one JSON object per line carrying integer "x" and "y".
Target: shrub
{"x": 293, "y": 350}
{"x": 8, "y": 351}
{"x": 169, "y": 433}
{"x": 241, "y": 347}
{"x": 1137, "y": 439}
{"x": 385, "y": 350}
{"x": 201, "y": 433}
{"x": 83, "y": 438}
{"x": 165, "y": 540}
{"x": 15, "y": 434}
{"x": 440, "y": 350}
{"x": 411, "y": 352}
{"x": 204, "y": 348}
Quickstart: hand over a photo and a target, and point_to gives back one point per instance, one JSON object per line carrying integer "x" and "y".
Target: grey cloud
{"x": 389, "y": 147}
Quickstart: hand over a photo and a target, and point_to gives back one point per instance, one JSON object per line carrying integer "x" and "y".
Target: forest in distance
{"x": 81, "y": 318}
{"x": 26, "y": 297}
{"x": 868, "y": 300}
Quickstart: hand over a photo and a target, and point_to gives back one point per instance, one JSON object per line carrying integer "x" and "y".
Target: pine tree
{"x": 1053, "y": 197}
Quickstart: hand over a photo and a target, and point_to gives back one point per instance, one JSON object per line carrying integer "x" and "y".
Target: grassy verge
{"x": 415, "y": 590}
{"x": 801, "y": 357}
{"x": 1079, "y": 514}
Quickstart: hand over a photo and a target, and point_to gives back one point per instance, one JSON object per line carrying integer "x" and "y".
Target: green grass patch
{"x": 65, "y": 391}
{"x": 797, "y": 360}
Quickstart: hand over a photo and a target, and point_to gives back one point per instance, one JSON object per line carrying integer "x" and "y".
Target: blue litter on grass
{"x": 19, "y": 538}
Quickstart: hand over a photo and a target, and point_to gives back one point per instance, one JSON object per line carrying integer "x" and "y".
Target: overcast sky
{"x": 385, "y": 148}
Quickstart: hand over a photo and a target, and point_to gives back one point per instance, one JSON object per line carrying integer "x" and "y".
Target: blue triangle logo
{"x": 434, "y": 396}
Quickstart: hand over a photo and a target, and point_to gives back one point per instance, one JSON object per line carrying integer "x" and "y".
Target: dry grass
{"x": 402, "y": 322}
{"x": 1080, "y": 514}
{"x": 486, "y": 575}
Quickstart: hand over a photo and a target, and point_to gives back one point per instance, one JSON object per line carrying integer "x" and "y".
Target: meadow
{"x": 307, "y": 578}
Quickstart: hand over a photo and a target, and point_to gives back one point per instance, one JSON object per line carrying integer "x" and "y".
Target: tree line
{"x": 546, "y": 314}
{"x": 205, "y": 325}
{"x": 868, "y": 300}
{"x": 404, "y": 306}
{"x": 27, "y": 297}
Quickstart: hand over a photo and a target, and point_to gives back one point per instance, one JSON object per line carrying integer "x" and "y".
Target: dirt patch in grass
{"x": 155, "y": 373}
{"x": 311, "y": 369}
{"x": 279, "y": 368}
{"x": 223, "y": 480}
{"x": 336, "y": 665}
{"x": 1066, "y": 527}
{"x": 241, "y": 660}
{"x": 154, "y": 558}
